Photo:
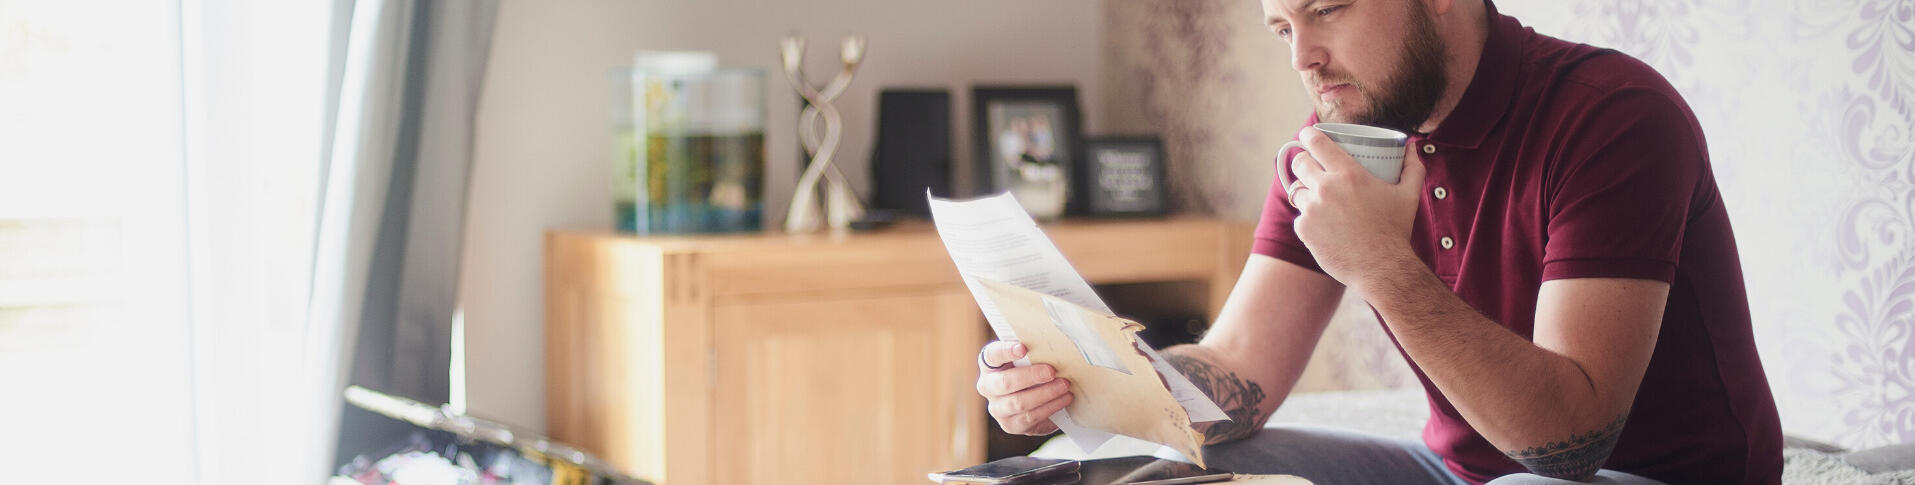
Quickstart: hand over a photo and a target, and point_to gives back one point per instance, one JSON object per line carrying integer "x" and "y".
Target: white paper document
{"x": 993, "y": 238}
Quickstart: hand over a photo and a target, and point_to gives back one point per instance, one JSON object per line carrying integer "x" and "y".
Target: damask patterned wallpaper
{"x": 1809, "y": 109}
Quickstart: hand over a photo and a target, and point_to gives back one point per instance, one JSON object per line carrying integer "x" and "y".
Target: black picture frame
{"x": 995, "y": 110}
{"x": 1122, "y": 176}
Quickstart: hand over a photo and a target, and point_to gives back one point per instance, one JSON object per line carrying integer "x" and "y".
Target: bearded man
{"x": 1556, "y": 264}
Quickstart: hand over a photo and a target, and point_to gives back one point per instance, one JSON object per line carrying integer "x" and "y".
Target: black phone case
{"x": 1016, "y": 470}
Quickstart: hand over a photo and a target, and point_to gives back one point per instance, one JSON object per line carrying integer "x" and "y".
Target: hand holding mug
{"x": 1357, "y": 195}
{"x": 1379, "y": 150}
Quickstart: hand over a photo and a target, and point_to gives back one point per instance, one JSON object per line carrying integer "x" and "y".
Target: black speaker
{"x": 912, "y": 151}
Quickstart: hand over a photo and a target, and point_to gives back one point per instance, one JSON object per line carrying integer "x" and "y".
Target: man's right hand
{"x": 1022, "y": 398}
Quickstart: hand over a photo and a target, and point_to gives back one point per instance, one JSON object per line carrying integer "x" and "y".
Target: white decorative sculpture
{"x": 841, "y": 204}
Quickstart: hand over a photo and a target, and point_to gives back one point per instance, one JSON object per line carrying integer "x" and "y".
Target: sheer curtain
{"x": 94, "y": 338}
{"x": 204, "y": 204}
{"x": 335, "y": 264}
{"x": 339, "y": 266}
{"x": 385, "y": 270}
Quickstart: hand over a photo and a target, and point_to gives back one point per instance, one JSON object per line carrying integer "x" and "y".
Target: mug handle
{"x": 1283, "y": 170}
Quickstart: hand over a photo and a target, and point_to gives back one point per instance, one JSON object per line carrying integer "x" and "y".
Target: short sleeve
{"x": 1276, "y": 236}
{"x": 1621, "y": 193}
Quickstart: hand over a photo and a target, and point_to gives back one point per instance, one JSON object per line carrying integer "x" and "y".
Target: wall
{"x": 1208, "y": 77}
{"x": 543, "y": 156}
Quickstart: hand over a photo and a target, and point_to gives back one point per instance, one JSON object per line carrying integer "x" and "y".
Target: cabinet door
{"x": 847, "y": 388}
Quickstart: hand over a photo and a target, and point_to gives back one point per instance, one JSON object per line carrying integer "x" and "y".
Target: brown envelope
{"x": 1132, "y": 402}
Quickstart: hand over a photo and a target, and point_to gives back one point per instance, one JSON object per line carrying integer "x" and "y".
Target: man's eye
{"x": 1283, "y": 32}
{"x": 1325, "y": 11}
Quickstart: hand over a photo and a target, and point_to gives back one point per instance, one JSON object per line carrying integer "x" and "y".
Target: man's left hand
{"x": 1356, "y": 224}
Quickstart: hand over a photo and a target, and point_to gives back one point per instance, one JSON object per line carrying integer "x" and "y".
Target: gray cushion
{"x": 1884, "y": 459}
{"x": 1803, "y": 466}
{"x": 1800, "y": 442}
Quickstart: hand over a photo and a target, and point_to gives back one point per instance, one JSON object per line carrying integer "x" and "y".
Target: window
{"x": 159, "y": 167}
{"x": 94, "y": 340}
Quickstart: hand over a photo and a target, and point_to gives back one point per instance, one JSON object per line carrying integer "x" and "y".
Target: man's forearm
{"x": 1243, "y": 400}
{"x": 1539, "y": 407}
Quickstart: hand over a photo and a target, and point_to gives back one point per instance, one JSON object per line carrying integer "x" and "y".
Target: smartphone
{"x": 1172, "y": 473}
{"x": 1013, "y": 470}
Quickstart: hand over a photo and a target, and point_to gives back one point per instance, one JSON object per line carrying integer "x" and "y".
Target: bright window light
{"x": 94, "y": 338}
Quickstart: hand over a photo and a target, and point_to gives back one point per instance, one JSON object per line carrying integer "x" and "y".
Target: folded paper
{"x": 1113, "y": 385}
{"x": 992, "y": 238}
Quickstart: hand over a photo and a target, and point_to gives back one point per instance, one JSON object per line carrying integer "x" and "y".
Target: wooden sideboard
{"x": 829, "y": 358}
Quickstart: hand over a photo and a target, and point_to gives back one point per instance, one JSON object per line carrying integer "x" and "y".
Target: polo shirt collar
{"x": 1487, "y": 99}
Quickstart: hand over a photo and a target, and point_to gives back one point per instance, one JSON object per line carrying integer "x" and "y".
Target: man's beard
{"x": 1409, "y": 94}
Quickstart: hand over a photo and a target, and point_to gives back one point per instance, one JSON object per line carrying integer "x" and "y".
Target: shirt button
{"x": 1440, "y": 193}
{"x": 1429, "y": 148}
{"x": 1448, "y": 243}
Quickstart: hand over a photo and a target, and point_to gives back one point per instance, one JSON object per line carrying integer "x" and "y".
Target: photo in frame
{"x": 1027, "y": 142}
{"x": 1122, "y": 176}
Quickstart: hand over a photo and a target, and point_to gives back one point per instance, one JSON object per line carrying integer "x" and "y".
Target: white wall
{"x": 543, "y": 156}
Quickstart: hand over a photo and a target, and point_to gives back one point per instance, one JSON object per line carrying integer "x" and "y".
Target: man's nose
{"x": 1306, "y": 51}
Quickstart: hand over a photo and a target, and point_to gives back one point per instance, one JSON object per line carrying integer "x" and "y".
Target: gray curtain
{"x": 406, "y": 80}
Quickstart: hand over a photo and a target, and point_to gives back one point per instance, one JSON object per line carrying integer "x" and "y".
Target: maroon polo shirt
{"x": 1569, "y": 161}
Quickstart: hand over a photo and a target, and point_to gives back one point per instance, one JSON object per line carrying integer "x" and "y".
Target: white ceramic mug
{"x": 1379, "y": 150}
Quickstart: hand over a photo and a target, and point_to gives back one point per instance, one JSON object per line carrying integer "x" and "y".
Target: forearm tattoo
{"x": 1239, "y": 398}
{"x": 1576, "y": 458}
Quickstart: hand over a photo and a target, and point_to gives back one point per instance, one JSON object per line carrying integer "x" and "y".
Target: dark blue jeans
{"x": 1332, "y": 456}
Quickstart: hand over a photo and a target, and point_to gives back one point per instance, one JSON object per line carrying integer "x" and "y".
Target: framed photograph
{"x": 1027, "y": 143}
{"x": 1122, "y": 176}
